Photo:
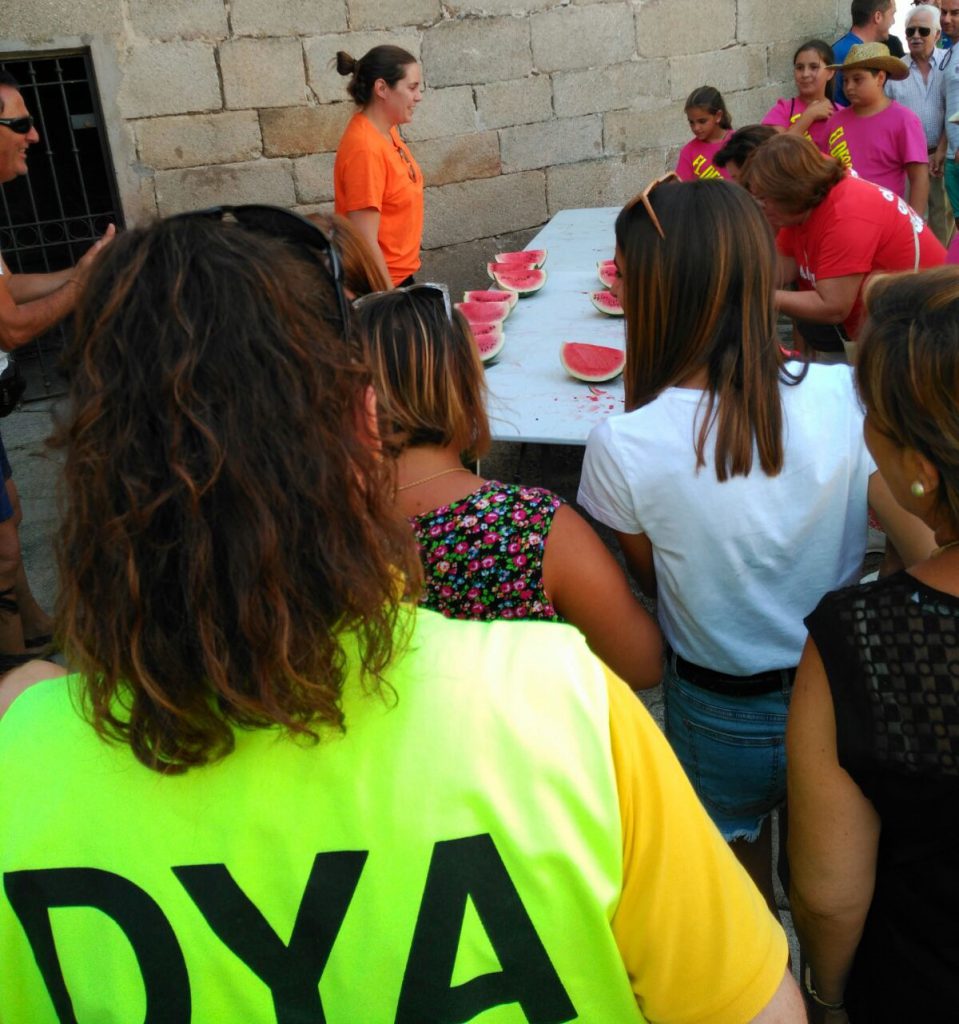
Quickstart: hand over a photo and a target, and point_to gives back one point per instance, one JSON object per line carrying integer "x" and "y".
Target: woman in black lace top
{"x": 873, "y": 737}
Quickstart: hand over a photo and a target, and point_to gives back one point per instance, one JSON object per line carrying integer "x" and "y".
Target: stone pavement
{"x": 35, "y": 470}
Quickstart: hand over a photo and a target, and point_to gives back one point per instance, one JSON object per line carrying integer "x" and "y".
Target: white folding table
{"x": 531, "y": 397}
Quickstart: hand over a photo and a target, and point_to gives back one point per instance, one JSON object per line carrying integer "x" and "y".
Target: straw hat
{"x": 873, "y": 57}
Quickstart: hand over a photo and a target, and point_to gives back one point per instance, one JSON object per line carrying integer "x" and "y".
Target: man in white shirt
{"x": 949, "y": 68}
{"x": 29, "y": 305}
{"x": 922, "y": 92}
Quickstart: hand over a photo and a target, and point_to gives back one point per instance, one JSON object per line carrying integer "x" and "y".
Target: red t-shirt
{"x": 859, "y": 228}
{"x": 372, "y": 172}
{"x": 696, "y": 160}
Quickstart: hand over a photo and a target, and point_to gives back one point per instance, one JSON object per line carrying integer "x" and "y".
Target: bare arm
{"x": 638, "y": 553}
{"x": 833, "y": 835}
{"x": 830, "y": 303}
{"x": 918, "y": 175}
{"x": 15, "y": 682}
{"x": 588, "y": 588}
{"x": 910, "y": 536}
{"x": 786, "y": 1005}
{"x": 31, "y": 306}
{"x": 367, "y": 222}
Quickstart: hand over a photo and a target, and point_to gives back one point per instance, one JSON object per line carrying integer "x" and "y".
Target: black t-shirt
{"x": 891, "y": 653}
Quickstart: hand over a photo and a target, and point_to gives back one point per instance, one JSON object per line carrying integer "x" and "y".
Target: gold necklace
{"x": 944, "y": 547}
{"x": 433, "y": 476}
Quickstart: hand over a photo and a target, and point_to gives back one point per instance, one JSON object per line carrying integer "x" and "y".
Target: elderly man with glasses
{"x": 923, "y": 93}
{"x": 29, "y": 305}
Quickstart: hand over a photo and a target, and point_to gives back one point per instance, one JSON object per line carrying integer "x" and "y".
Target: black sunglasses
{"x": 428, "y": 289}
{"x": 20, "y": 125}
{"x": 290, "y": 227}
{"x": 923, "y": 30}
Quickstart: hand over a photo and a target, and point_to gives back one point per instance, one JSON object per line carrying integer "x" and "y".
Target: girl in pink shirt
{"x": 807, "y": 112}
{"x": 711, "y": 125}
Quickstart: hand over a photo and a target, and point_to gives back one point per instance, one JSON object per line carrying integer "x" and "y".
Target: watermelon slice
{"x": 523, "y": 281}
{"x": 536, "y": 257}
{"x": 489, "y": 340}
{"x": 491, "y": 296}
{"x": 484, "y": 312}
{"x": 606, "y": 302}
{"x": 591, "y": 363}
{"x": 498, "y": 268}
{"x": 607, "y": 272}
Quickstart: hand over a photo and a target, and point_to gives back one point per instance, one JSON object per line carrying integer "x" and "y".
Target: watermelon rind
{"x": 492, "y": 295}
{"x": 591, "y": 363}
{"x": 606, "y": 302}
{"x": 536, "y": 257}
{"x": 484, "y": 312}
{"x": 606, "y": 269}
{"x": 523, "y": 282}
{"x": 489, "y": 340}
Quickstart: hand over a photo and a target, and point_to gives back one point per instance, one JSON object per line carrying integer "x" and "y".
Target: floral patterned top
{"x": 483, "y": 554}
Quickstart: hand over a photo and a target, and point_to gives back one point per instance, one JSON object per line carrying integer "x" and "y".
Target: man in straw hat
{"x": 876, "y": 137}
{"x": 871, "y": 23}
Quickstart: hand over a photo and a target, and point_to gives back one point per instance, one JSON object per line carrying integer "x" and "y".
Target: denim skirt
{"x": 732, "y": 748}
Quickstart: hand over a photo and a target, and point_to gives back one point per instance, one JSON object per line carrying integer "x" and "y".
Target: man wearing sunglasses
{"x": 923, "y": 93}
{"x": 29, "y": 305}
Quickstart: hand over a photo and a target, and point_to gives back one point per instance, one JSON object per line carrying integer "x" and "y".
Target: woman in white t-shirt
{"x": 737, "y": 486}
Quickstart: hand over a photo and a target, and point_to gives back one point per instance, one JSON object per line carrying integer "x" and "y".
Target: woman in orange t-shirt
{"x": 376, "y": 182}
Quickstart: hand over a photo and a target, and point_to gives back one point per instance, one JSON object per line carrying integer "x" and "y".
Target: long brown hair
{"x": 227, "y": 519}
{"x": 701, "y": 299}
{"x": 361, "y": 272}
{"x": 426, "y": 371}
{"x": 908, "y": 369}
{"x": 792, "y": 172}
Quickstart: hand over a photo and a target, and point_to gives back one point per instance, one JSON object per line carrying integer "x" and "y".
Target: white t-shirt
{"x": 738, "y": 564}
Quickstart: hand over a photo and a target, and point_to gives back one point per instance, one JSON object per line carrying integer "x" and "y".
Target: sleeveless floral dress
{"x": 483, "y": 554}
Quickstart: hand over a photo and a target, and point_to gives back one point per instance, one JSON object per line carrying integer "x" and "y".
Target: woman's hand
{"x": 820, "y": 110}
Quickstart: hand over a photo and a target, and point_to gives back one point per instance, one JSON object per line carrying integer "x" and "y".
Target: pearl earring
{"x": 916, "y": 489}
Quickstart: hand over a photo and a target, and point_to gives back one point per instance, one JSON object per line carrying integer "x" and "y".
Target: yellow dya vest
{"x": 455, "y": 856}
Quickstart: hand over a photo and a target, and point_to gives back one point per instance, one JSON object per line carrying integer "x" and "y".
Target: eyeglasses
{"x": 410, "y": 169}
{"x": 20, "y": 125}
{"x": 428, "y": 289}
{"x": 923, "y": 30}
{"x": 290, "y": 227}
{"x": 643, "y": 197}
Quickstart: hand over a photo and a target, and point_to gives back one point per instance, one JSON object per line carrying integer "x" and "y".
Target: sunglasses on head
{"x": 20, "y": 125}
{"x": 290, "y": 227}
{"x": 435, "y": 291}
{"x": 410, "y": 169}
{"x": 923, "y": 30}
{"x": 643, "y": 197}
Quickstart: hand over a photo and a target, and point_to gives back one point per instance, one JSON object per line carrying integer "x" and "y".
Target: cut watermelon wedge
{"x": 536, "y": 257}
{"x": 523, "y": 281}
{"x": 491, "y": 296}
{"x": 489, "y": 340}
{"x": 607, "y": 303}
{"x": 484, "y": 312}
{"x": 607, "y": 272}
{"x": 498, "y": 268}
{"x": 592, "y": 363}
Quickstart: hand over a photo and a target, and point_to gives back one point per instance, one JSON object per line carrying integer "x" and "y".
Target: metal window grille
{"x": 50, "y": 217}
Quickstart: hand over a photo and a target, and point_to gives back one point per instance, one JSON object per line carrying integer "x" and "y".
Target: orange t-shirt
{"x": 372, "y": 172}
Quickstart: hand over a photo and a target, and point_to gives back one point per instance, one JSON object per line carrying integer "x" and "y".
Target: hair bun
{"x": 345, "y": 64}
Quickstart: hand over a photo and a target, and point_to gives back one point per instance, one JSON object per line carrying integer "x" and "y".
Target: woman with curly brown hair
{"x": 289, "y": 794}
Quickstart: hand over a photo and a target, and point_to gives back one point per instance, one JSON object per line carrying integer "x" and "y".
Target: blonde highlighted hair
{"x": 361, "y": 273}
{"x": 426, "y": 371}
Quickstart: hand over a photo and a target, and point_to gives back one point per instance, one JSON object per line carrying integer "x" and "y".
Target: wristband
{"x": 810, "y": 991}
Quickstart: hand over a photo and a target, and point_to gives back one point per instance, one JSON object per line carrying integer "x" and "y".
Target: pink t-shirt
{"x": 696, "y": 160}
{"x": 859, "y": 228}
{"x": 787, "y": 112}
{"x": 878, "y": 147}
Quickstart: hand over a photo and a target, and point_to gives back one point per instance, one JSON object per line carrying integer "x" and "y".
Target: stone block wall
{"x": 531, "y": 106}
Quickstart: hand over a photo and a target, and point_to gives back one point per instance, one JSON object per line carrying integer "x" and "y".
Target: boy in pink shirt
{"x": 875, "y": 137}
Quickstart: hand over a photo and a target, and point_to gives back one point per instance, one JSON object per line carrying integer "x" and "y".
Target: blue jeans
{"x": 732, "y": 748}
